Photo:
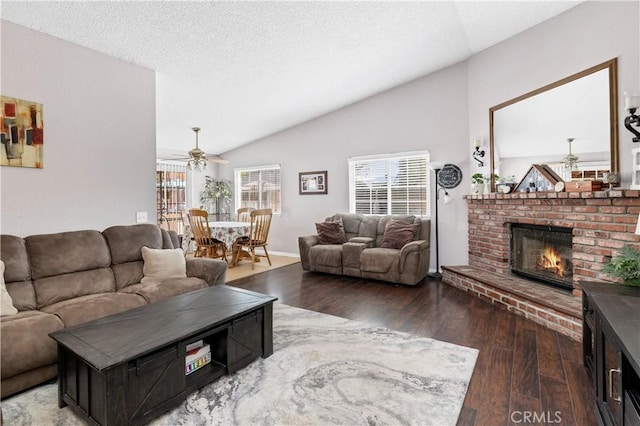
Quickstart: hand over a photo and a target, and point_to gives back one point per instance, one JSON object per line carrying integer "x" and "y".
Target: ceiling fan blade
{"x": 217, "y": 159}
{"x": 180, "y": 156}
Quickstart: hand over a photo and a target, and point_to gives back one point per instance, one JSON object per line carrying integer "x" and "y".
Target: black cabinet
{"x": 611, "y": 349}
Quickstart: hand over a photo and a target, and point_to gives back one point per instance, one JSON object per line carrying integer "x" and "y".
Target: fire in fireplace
{"x": 542, "y": 253}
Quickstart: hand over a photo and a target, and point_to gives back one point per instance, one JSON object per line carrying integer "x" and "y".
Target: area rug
{"x": 243, "y": 268}
{"x": 324, "y": 370}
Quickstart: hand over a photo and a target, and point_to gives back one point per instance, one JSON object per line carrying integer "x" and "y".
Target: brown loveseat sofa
{"x": 363, "y": 255}
{"x": 60, "y": 280}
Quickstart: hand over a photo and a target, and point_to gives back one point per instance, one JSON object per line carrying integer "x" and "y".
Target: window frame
{"x": 389, "y": 158}
{"x": 237, "y": 175}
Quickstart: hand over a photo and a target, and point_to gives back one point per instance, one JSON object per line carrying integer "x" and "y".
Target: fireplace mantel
{"x": 602, "y": 222}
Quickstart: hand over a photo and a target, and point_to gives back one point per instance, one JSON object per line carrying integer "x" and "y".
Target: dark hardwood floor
{"x": 525, "y": 373}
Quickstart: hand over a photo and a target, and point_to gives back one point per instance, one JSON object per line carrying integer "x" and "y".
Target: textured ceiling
{"x": 245, "y": 70}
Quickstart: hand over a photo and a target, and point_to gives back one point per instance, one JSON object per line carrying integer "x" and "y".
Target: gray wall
{"x": 442, "y": 113}
{"x": 426, "y": 114}
{"x": 99, "y": 137}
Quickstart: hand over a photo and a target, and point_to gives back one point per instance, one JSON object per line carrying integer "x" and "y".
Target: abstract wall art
{"x": 21, "y": 133}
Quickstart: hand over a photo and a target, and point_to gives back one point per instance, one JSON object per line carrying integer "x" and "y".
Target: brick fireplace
{"x": 601, "y": 222}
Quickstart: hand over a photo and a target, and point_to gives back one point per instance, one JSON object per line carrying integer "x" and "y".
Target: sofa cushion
{"x": 87, "y": 308}
{"x": 125, "y": 244}
{"x": 331, "y": 232}
{"x": 379, "y": 260}
{"x": 26, "y": 343}
{"x": 66, "y": 252}
{"x": 55, "y": 289}
{"x": 13, "y": 252}
{"x": 350, "y": 221}
{"x": 156, "y": 290}
{"x": 163, "y": 264}
{"x": 6, "y": 304}
{"x": 22, "y": 294}
{"x": 17, "y": 272}
{"x": 326, "y": 258}
{"x": 126, "y": 241}
{"x": 397, "y": 233}
{"x": 167, "y": 240}
{"x": 127, "y": 274}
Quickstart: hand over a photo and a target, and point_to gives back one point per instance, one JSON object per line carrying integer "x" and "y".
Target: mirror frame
{"x": 612, "y": 66}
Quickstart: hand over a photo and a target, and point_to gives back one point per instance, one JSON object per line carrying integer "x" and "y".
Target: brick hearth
{"x": 602, "y": 222}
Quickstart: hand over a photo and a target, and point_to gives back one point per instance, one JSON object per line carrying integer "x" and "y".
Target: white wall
{"x": 99, "y": 137}
{"x": 426, "y": 114}
{"x": 584, "y": 36}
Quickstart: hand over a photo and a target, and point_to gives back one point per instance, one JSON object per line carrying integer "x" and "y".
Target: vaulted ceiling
{"x": 244, "y": 70}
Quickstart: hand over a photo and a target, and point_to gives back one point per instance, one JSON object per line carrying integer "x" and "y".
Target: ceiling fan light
{"x": 198, "y": 160}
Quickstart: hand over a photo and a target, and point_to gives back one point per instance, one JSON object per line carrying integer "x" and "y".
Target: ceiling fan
{"x": 198, "y": 158}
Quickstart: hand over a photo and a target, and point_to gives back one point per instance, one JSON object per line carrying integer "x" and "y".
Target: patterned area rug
{"x": 324, "y": 370}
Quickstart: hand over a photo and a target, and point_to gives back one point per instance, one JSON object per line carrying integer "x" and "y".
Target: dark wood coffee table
{"x": 130, "y": 367}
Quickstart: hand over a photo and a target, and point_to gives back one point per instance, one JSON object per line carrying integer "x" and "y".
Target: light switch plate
{"x": 141, "y": 217}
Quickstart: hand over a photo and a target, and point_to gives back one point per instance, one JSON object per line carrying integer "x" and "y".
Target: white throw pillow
{"x": 6, "y": 306}
{"x": 162, "y": 264}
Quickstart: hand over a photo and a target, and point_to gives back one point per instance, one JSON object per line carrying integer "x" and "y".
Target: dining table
{"x": 229, "y": 231}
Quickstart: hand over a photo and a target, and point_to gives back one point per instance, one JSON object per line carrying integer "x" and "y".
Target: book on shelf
{"x": 194, "y": 345}
{"x": 197, "y": 358}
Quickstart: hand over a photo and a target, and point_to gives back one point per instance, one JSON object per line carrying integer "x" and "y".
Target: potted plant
{"x": 477, "y": 183}
{"x": 496, "y": 178}
{"x": 626, "y": 266}
{"x": 216, "y": 195}
{"x": 487, "y": 180}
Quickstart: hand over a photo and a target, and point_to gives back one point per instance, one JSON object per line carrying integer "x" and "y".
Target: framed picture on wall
{"x": 21, "y": 133}
{"x": 313, "y": 182}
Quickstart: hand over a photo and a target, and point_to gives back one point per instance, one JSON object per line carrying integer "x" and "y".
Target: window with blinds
{"x": 171, "y": 189}
{"x": 390, "y": 184}
{"x": 258, "y": 187}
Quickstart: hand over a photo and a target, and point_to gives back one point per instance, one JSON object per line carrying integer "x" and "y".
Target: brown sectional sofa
{"x": 63, "y": 279}
{"x": 362, "y": 255}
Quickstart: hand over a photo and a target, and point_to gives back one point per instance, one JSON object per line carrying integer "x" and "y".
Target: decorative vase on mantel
{"x": 477, "y": 188}
{"x": 477, "y": 184}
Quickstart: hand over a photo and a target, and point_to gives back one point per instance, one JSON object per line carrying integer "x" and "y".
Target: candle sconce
{"x": 478, "y": 154}
{"x": 632, "y": 103}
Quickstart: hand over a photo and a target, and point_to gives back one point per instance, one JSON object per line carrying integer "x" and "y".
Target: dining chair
{"x": 244, "y": 214}
{"x": 186, "y": 237}
{"x": 206, "y": 244}
{"x": 258, "y": 234}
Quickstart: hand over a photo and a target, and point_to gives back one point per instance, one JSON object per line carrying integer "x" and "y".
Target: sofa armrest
{"x": 367, "y": 241}
{"x": 412, "y": 247}
{"x": 304, "y": 245}
{"x": 213, "y": 271}
{"x": 351, "y": 252}
{"x": 415, "y": 246}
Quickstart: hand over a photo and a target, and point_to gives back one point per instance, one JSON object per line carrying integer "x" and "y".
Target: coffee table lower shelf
{"x": 142, "y": 387}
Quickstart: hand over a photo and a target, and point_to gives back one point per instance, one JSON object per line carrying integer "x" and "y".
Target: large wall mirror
{"x": 534, "y": 128}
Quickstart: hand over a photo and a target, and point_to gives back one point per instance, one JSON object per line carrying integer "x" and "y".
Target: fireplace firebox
{"x": 543, "y": 254}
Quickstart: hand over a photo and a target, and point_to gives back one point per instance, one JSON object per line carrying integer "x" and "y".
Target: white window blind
{"x": 391, "y": 184}
{"x": 259, "y": 187}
